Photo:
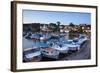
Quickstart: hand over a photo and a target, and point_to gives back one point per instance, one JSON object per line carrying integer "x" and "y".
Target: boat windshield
{"x": 75, "y": 40}
{"x": 82, "y": 37}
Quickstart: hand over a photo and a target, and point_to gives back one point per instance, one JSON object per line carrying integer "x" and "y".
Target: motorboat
{"x": 62, "y": 48}
{"x": 35, "y": 36}
{"x": 31, "y": 55}
{"x": 45, "y": 37}
{"x": 82, "y": 39}
{"x": 27, "y": 36}
{"x": 50, "y": 53}
{"x": 73, "y": 46}
{"x": 24, "y": 33}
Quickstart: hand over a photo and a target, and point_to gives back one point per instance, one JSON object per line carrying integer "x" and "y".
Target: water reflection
{"x": 30, "y": 43}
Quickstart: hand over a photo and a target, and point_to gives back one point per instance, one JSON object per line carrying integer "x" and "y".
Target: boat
{"x": 35, "y": 36}
{"x": 27, "y": 36}
{"x": 45, "y": 37}
{"x": 73, "y": 46}
{"x": 50, "y": 53}
{"x": 31, "y": 55}
{"x": 24, "y": 33}
{"x": 82, "y": 39}
{"x": 62, "y": 48}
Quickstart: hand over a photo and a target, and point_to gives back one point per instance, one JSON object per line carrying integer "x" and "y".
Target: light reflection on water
{"x": 29, "y": 43}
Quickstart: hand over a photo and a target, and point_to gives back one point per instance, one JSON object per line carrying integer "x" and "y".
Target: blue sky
{"x": 32, "y": 16}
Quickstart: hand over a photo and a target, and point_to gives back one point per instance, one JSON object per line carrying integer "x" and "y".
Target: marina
{"x": 56, "y": 39}
{"x": 54, "y": 48}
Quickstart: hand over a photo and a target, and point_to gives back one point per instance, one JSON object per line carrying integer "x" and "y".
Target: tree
{"x": 58, "y": 23}
{"x": 53, "y": 27}
{"x": 36, "y": 27}
{"x": 52, "y": 24}
{"x": 71, "y": 24}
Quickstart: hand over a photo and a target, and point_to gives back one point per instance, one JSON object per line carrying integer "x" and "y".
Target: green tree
{"x": 58, "y": 23}
{"x": 71, "y": 24}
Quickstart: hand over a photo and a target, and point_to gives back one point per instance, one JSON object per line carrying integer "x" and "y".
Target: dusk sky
{"x": 31, "y": 16}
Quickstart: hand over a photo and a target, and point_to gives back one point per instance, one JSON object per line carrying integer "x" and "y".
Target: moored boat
{"x": 61, "y": 48}
{"x": 50, "y": 53}
{"x": 32, "y": 55}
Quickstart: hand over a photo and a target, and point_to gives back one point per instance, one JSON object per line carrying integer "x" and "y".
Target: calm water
{"x": 30, "y": 43}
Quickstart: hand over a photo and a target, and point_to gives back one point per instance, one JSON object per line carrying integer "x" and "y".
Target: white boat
{"x": 31, "y": 55}
{"x": 45, "y": 36}
{"x": 50, "y": 53}
{"x": 35, "y": 36}
{"x": 72, "y": 45}
{"x": 61, "y": 48}
{"x": 28, "y": 35}
{"x": 76, "y": 43}
{"x": 82, "y": 39}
